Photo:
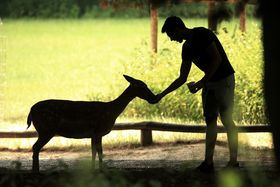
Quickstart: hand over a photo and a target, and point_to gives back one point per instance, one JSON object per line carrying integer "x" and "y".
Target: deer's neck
{"x": 119, "y": 104}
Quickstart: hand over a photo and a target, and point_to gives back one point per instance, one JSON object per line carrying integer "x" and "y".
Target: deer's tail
{"x": 29, "y": 120}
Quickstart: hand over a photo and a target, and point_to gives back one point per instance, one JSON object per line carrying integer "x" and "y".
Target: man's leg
{"x": 211, "y": 137}
{"x": 226, "y": 110}
{"x": 210, "y": 109}
{"x": 232, "y": 136}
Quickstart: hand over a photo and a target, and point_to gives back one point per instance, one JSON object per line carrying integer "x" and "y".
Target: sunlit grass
{"x": 68, "y": 61}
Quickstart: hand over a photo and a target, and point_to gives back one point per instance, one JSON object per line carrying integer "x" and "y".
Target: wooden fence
{"x": 147, "y": 127}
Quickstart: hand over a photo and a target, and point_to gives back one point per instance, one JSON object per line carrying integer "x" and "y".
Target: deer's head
{"x": 141, "y": 90}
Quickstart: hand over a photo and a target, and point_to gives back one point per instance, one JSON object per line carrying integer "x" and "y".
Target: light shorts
{"x": 218, "y": 97}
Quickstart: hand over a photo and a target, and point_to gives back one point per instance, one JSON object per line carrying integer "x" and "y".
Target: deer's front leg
{"x": 96, "y": 146}
{"x": 93, "y": 152}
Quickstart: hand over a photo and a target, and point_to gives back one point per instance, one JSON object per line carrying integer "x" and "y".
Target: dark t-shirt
{"x": 195, "y": 51}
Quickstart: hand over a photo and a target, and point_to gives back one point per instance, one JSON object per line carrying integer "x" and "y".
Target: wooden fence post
{"x": 242, "y": 16}
{"x": 212, "y": 22}
{"x": 146, "y": 137}
{"x": 154, "y": 26}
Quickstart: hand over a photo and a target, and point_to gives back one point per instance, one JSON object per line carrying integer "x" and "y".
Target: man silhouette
{"x": 203, "y": 48}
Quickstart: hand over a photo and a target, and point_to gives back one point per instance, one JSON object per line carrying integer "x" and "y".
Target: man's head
{"x": 174, "y": 28}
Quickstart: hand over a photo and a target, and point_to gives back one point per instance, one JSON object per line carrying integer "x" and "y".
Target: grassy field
{"x": 85, "y": 60}
{"x": 66, "y": 60}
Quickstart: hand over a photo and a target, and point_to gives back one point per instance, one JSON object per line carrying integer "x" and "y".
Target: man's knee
{"x": 211, "y": 119}
{"x": 228, "y": 122}
{"x": 226, "y": 118}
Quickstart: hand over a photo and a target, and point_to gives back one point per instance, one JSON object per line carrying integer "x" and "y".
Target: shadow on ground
{"x": 166, "y": 165}
{"x": 142, "y": 173}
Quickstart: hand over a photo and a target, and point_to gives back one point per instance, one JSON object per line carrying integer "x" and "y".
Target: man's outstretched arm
{"x": 184, "y": 72}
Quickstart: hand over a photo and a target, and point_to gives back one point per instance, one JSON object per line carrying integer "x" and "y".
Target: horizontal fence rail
{"x": 147, "y": 127}
{"x": 174, "y": 127}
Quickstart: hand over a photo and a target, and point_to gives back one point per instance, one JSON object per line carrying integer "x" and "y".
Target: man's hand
{"x": 157, "y": 99}
{"x": 195, "y": 86}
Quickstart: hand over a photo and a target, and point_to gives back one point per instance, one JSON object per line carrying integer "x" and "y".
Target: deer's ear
{"x": 129, "y": 79}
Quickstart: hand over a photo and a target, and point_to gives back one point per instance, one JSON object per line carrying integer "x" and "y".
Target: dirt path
{"x": 165, "y": 165}
{"x": 155, "y": 156}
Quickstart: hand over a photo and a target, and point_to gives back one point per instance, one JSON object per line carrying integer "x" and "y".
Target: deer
{"x": 81, "y": 119}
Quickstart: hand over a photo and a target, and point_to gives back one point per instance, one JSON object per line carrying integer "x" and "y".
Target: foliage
{"x": 62, "y": 176}
{"x": 102, "y": 8}
{"x": 247, "y": 57}
{"x": 39, "y": 8}
{"x": 121, "y": 12}
{"x": 191, "y": 10}
{"x": 82, "y": 175}
{"x": 245, "y": 53}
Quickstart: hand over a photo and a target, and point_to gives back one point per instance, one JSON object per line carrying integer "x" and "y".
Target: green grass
{"x": 64, "y": 59}
{"x": 67, "y": 59}
{"x": 85, "y": 59}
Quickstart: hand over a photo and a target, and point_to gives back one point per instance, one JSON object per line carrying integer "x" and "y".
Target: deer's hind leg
{"x": 42, "y": 140}
{"x": 96, "y": 147}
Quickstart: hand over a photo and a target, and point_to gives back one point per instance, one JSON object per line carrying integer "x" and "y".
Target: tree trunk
{"x": 212, "y": 21}
{"x": 271, "y": 39}
{"x": 154, "y": 27}
{"x": 242, "y": 16}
